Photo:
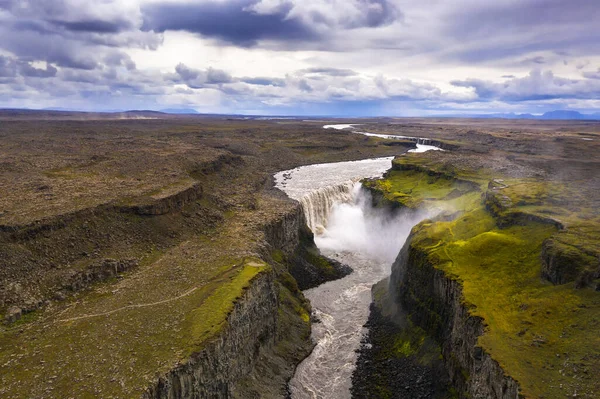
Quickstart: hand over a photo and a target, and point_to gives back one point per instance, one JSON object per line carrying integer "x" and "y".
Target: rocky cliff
{"x": 218, "y": 370}
{"x": 267, "y": 332}
{"x": 295, "y": 247}
{"x": 434, "y": 302}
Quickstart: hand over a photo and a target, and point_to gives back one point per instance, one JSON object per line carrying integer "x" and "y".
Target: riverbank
{"x": 147, "y": 287}
{"x": 472, "y": 278}
{"x": 118, "y": 238}
{"x": 397, "y": 359}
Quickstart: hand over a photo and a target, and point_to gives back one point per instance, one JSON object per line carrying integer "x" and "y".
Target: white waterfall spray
{"x": 348, "y": 228}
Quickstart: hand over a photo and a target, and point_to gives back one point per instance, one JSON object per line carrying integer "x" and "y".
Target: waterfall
{"x": 317, "y": 205}
{"x": 349, "y": 229}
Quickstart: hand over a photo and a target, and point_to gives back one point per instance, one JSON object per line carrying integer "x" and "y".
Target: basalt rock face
{"x": 563, "y": 263}
{"x": 168, "y": 204}
{"x": 499, "y": 205}
{"x": 255, "y": 355}
{"x": 291, "y": 235}
{"x": 218, "y": 370}
{"x": 434, "y": 302}
{"x": 286, "y": 232}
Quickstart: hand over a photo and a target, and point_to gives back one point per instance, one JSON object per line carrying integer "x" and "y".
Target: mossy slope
{"x": 544, "y": 336}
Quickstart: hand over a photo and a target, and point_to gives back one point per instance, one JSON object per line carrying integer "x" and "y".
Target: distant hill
{"x": 569, "y": 115}
{"x": 552, "y": 115}
{"x": 179, "y": 111}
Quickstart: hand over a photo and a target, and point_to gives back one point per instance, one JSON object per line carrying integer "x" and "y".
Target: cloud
{"x": 72, "y": 33}
{"x": 306, "y": 55}
{"x": 538, "y": 59}
{"x": 329, "y": 71}
{"x": 537, "y": 85}
{"x": 405, "y": 89}
{"x": 94, "y": 26}
{"x": 264, "y": 81}
{"x": 8, "y": 67}
{"x": 226, "y": 21}
{"x": 29, "y": 70}
{"x": 489, "y": 31}
{"x": 592, "y": 75}
{"x": 247, "y": 22}
{"x": 196, "y": 78}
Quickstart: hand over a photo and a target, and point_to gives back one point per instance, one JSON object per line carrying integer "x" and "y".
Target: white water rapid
{"x": 349, "y": 229}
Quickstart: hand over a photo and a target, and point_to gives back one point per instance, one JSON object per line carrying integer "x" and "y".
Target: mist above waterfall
{"x": 350, "y": 230}
{"x": 357, "y": 226}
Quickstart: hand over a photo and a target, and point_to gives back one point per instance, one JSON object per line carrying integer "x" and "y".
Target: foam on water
{"x": 349, "y": 229}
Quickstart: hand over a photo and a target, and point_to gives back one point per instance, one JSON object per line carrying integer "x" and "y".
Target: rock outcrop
{"x": 434, "y": 302}
{"x": 291, "y": 235}
{"x": 218, "y": 370}
{"x": 268, "y": 331}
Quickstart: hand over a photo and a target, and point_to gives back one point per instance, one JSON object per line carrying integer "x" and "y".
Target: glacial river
{"x": 349, "y": 229}
{"x": 421, "y": 143}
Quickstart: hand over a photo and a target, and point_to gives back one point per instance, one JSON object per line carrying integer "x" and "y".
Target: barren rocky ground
{"x": 114, "y": 232}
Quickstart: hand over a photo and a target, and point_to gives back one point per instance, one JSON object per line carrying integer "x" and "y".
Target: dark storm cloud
{"x": 30, "y": 71}
{"x": 32, "y": 46}
{"x": 11, "y": 68}
{"x": 94, "y": 26}
{"x": 226, "y": 21}
{"x": 196, "y": 78}
{"x": 245, "y": 22}
{"x": 537, "y": 85}
{"x": 118, "y": 58}
{"x": 71, "y": 33}
{"x": 496, "y": 30}
{"x": 534, "y": 60}
{"x": 69, "y": 15}
{"x": 376, "y": 13}
{"x": 186, "y": 73}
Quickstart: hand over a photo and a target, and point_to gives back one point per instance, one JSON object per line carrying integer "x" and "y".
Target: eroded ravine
{"x": 348, "y": 229}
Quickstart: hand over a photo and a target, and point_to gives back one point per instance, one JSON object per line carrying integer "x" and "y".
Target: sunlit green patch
{"x": 529, "y": 321}
{"x": 543, "y": 335}
{"x": 209, "y": 318}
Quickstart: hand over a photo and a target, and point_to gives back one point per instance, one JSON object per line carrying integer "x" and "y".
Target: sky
{"x": 302, "y": 57}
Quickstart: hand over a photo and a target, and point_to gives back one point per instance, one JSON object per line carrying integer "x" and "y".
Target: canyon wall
{"x": 267, "y": 333}
{"x": 434, "y": 302}
{"x": 217, "y": 370}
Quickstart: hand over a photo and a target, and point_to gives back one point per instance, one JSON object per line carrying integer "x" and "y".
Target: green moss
{"x": 413, "y": 341}
{"x": 535, "y": 330}
{"x": 208, "y": 319}
{"x": 415, "y": 188}
{"x": 290, "y": 301}
{"x": 126, "y": 357}
{"x": 528, "y": 321}
{"x": 278, "y": 256}
{"x": 321, "y": 262}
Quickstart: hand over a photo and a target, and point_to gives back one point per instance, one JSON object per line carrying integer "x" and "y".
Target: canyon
{"x": 164, "y": 262}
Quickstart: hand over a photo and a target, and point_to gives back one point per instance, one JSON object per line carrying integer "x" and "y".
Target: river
{"x": 348, "y": 229}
